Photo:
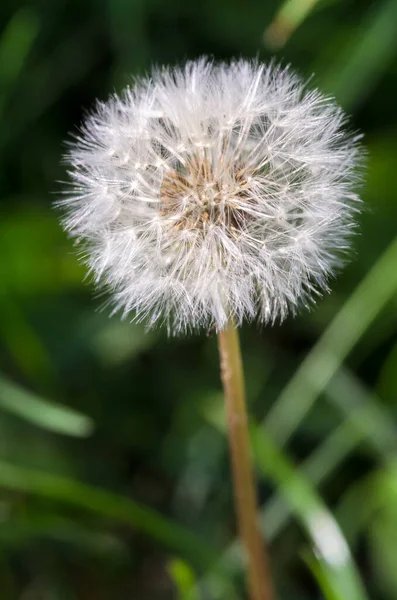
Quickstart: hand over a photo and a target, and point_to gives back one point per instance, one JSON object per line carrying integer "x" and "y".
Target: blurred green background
{"x": 114, "y": 473}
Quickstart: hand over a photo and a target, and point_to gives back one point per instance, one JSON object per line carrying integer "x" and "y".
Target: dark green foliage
{"x": 114, "y": 475}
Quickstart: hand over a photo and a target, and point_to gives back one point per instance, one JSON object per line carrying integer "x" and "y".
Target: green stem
{"x": 258, "y": 575}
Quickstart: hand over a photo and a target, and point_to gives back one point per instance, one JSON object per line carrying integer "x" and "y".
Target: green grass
{"x": 114, "y": 476}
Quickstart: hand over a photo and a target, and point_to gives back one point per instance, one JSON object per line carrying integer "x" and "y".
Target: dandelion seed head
{"x": 213, "y": 191}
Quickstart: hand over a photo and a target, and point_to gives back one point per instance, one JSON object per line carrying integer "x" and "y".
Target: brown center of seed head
{"x": 195, "y": 197}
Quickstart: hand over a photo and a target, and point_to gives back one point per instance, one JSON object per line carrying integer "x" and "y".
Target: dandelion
{"x": 212, "y": 194}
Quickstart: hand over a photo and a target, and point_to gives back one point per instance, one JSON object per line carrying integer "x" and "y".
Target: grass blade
{"x": 364, "y": 411}
{"x": 108, "y": 504}
{"x": 336, "y": 561}
{"x": 317, "y": 468}
{"x": 38, "y": 411}
{"x": 184, "y": 579}
{"x": 291, "y": 14}
{"x": 366, "y": 57}
{"x": 325, "y": 358}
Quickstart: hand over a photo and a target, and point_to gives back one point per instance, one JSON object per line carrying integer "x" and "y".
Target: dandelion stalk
{"x": 258, "y": 575}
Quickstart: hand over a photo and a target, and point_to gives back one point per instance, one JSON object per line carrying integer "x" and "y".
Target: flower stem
{"x": 258, "y": 576}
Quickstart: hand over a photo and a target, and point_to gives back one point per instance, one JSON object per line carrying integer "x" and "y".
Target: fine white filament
{"x": 213, "y": 191}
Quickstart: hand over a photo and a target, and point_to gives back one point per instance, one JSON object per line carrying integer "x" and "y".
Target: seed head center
{"x": 200, "y": 195}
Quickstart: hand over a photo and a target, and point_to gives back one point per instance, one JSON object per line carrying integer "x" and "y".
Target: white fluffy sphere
{"x": 213, "y": 191}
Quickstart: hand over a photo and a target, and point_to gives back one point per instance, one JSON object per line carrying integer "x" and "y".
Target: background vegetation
{"x": 114, "y": 475}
